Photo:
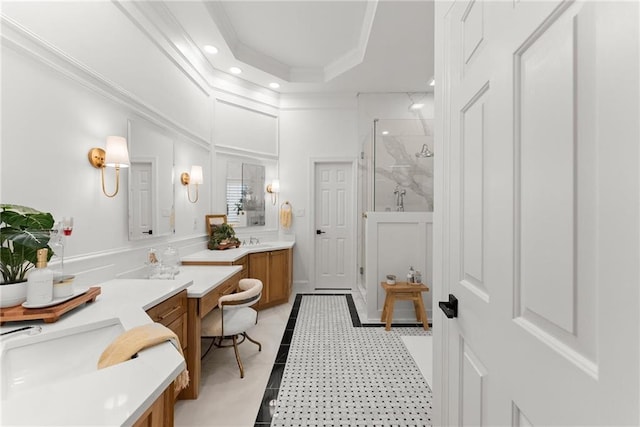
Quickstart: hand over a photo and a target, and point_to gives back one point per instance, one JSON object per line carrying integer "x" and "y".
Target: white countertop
{"x": 117, "y": 395}
{"x": 206, "y": 278}
{"x": 231, "y": 255}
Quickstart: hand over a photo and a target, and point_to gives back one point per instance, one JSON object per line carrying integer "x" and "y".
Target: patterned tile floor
{"x": 331, "y": 372}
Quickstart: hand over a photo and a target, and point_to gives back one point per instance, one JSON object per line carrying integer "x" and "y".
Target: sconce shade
{"x": 117, "y": 153}
{"x": 273, "y": 189}
{"x": 196, "y": 175}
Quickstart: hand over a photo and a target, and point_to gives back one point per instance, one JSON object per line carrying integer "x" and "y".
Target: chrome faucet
{"x": 399, "y": 193}
{"x": 253, "y": 240}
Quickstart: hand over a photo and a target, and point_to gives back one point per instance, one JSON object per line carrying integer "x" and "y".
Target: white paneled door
{"x": 537, "y": 223}
{"x": 334, "y": 225}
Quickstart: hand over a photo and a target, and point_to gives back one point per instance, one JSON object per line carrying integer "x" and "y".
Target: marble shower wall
{"x": 390, "y": 161}
{"x": 403, "y": 181}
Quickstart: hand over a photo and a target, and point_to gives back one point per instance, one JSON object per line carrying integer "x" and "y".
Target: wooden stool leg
{"x": 416, "y": 307}
{"x": 425, "y": 322}
{"x": 383, "y": 318}
{"x": 392, "y": 303}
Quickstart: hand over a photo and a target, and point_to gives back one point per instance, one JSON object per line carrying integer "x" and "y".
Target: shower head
{"x": 425, "y": 152}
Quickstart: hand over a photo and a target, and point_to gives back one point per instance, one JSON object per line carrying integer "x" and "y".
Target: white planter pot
{"x": 13, "y": 294}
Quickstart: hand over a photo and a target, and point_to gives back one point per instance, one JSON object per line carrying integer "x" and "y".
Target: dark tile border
{"x": 265, "y": 413}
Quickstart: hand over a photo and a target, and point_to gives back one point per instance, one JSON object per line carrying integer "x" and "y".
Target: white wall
{"x": 102, "y": 37}
{"x": 74, "y": 73}
{"x": 311, "y": 127}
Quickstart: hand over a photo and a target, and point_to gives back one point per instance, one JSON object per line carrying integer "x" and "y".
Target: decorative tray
{"x": 48, "y": 312}
{"x": 55, "y": 301}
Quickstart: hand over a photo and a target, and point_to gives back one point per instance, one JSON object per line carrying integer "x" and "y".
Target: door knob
{"x": 320, "y": 232}
{"x": 148, "y": 232}
{"x": 450, "y": 308}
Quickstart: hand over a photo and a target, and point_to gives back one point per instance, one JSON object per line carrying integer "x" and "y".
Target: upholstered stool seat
{"x": 234, "y": 318}
{"x": 237, "y": 322}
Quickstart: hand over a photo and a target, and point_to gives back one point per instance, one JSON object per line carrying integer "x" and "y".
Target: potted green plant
{"x": 23, "y": 231}
{"x": 223, "y": 236}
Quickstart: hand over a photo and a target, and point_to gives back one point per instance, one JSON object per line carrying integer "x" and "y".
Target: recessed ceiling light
{"x": 385, "y": 132}
{"x": 416, "y": 106}
{"x": 210, "y": 49}
{"x": 432, "y": 82}
{"x": 274, "y": 85}
{"x": 235, "y": 70}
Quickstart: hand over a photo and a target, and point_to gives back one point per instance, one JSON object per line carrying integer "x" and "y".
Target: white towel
{"x": 125, "y": 346}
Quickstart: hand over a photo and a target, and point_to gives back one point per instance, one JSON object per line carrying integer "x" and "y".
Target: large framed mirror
{"x": 245, "y": 194}
{"x": 151, "y": 197}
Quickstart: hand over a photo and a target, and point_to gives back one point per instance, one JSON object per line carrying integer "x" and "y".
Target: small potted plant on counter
{"x": 23, "y": 231}
{"x": 223, "y": 236}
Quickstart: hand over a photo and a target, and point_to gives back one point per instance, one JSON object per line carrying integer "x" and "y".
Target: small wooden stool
{"x": 407, "y": 292}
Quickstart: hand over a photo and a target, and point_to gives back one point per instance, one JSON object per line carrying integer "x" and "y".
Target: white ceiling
{"x": 315, "y": 45}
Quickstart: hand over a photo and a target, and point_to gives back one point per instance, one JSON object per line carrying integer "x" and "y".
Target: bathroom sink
{"x": 35, "y": 361}
{"x": 257, "y": 245}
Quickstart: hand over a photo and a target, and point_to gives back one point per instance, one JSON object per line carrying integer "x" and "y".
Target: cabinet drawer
{"x": 210, "y": 300}
{"x": 179, "y": 327}
{"x": 169, "y": 310}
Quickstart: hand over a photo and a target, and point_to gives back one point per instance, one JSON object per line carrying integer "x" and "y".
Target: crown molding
{"x": 156, "y": 21}
{"x": 159, "y": 24}
{"x": 20, "y": 39}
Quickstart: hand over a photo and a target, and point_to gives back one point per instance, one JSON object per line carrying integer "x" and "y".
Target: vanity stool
{"x": 234, "y": 318}
{"x": 407, "y": 292}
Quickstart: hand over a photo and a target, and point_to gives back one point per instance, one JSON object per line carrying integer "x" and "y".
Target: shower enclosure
{"x": 403, "y": 165}
{"x": 397, "y": 202}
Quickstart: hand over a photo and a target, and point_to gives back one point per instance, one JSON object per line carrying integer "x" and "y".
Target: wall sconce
{"x": 115, "y": 155}
{"x": 195, "y": 177}
{"x": 273, "y": 189}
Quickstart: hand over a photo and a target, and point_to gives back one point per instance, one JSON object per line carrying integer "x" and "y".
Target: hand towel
{"x": 125, "y": 346}
{"x": 285, "y": 215}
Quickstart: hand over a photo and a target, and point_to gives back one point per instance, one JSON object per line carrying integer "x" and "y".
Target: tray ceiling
{"x": 315, "y": 46}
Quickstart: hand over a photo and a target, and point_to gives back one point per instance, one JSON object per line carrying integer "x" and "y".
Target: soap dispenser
{"x": 40, "y": 281}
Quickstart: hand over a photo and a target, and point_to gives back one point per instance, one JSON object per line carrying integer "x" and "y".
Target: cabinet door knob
{"x": 320, "y": 232}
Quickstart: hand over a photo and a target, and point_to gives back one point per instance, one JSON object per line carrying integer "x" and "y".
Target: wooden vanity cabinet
{"x": 274, "y": 270}
{"x": 172, "y": 313}
{"x": 160, "y": 413}
{"x": 199, "y": 307}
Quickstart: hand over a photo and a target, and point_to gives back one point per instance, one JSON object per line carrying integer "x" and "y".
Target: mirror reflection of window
{"x": 245, "y": 188}
{"x": 253, "y": 189}
{"x": 235, "y": 202}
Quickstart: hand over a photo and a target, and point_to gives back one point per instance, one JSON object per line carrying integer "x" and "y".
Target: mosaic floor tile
{"x": 340, "y": 374}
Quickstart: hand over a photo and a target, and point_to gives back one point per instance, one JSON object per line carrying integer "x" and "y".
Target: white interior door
{"x": 141, "y": 196}
{"x": 538, "y": 223}
{"x": 334, "y": 225}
